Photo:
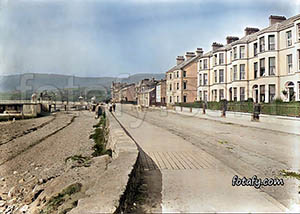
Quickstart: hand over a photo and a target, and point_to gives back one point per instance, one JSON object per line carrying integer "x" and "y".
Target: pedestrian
{"x": 114, "y": 106}
{"x": 100, "y": 111}
{"x": 110, "y": 107}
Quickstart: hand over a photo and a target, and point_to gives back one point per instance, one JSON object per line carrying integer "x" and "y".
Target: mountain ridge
{"x": 38, "y": 81}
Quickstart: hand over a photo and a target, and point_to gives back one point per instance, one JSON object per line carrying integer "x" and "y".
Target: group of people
{"x": 99, "y": 110}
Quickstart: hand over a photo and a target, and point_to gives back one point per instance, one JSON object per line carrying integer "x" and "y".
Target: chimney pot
{"x": 179, "y": 59}
{"x": 189, "y": 55}
{"x": 231, "y": 39}
{"x": 216, "y": 45}
{"x": 276, "y": 19}
{"x": 199, "y": 52}
{"x": 250, "y": 30}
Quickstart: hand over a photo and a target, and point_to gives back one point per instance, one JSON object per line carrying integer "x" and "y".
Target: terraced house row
{"x": 263, "y": 65}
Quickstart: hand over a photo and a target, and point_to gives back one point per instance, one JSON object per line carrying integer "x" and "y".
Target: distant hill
{"x": 37, "y": 81}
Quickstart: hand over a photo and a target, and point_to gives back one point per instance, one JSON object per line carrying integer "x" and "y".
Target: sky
{"x": 97, "y": 38}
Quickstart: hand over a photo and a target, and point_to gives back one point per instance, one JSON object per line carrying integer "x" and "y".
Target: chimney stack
{"x": 179, "y": 60}
{"x": 199, "y": 52}
{"x": 250, "y": 30}
{"x": 189, "y": 55}
{"x": 276, "y": 19}
{"x": 216, "y": 45}
{"x": 231, "y": 39}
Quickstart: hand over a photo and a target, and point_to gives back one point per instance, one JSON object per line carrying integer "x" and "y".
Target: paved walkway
{"x": 192, "y": 180}
{"x": 276, "y": 123}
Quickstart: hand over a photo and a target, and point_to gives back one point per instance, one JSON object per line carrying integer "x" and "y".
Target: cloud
{"x": 109, "y": 37}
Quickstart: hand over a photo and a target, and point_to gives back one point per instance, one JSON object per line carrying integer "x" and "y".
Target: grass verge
{"x": 100, "y": 138}
{"x": 55, "y": 202}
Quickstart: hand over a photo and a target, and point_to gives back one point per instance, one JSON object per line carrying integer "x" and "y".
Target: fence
{"x": 285, "y": 109}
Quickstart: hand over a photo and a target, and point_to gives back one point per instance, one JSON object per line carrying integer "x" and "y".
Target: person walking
{"x": 114, "y": 106}
{"x": 110, "y": 107}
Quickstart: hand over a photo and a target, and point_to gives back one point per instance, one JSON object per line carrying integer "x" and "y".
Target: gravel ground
{"x": 11, "y": 130}
{"x": 30, "y": 162}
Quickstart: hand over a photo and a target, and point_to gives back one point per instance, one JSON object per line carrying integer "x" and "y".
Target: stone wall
{"x": 109, "y": 193}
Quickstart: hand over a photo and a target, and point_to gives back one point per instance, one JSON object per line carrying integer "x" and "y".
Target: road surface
{"x": 194, "y": 160}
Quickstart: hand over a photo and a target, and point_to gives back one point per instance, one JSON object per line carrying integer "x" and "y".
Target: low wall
{"x": 109, "y": 192}
{"x": 239, "y": 115}
{"x": 32, "y": 109}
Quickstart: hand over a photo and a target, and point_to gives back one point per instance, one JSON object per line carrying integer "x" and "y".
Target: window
{"x": 184, "y": 98}
{"x": 242, "y": 93}
{"x": 262, "y": 67}
{"x": 289, "y": 63}
{"x": 242, "y": 52}
{"x": 255, "y": 49}
{"x": 215, "y": 76}
{"x": 184, "y": 73}
{"x": 200, "y": 64}
{"x": 242, "y": 71}
{"x": 177, "y": 74}
{"x": 230, "y": 56}
{"x": 170, "y": 87}
{"x": 271, "y": 66}
{"x": 200, "y": 79}
{"x": 170, "y": 76}
{"x": 271, "y": 42}
{"x": 215, "y": 93}
{"x": 262, "y": 44}
{"x": 177, "y": 99}
{"x": 234, "y": 53}
{"x": 216, "y": 59}
{"x": 234, "y": 72}
{"x": 289, "y": 38}
{"x": 298, "y": 29}
{"x": 221, "y": 75}
{"x": 205, "y": 95}
{"x": 221, "y": 94}
{"x": 255, "y": 70}
{"x": 231, "y": 74}
{"x": 299, "y": 60}
{"x": 221, "y": 58}
{"x": 184, "y": 85}
{"x": 205, "y": 64}
{"x": 299, "y": 90}
{"x": 205, "y": 79}
{"x": 262, "y": 93}
{"x": 271, "y": 93}
{"x": 200, "y": 95}
{"x": 234, "y": 94}
{"x": 170, "y": 99}
{"x": 177, "y": 86}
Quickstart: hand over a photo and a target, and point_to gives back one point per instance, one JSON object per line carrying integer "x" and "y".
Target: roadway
{"x": 193, "y": 161}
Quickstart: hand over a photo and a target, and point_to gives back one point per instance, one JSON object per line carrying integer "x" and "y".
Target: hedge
{"x": 275, "y": 108}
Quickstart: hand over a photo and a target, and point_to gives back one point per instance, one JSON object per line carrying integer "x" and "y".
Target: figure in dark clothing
{"x": 100, "y": 111}
{"x": 110, "y": 107}
{"x": 114, "y": 107}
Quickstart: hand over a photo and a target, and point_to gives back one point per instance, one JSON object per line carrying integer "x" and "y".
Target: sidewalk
{"x": 193, "y": 180}
{"x": 287, "y": 125}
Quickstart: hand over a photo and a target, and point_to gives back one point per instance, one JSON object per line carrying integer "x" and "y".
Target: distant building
{"x": 128, "y": 93}
{"x": 116, "y": 91}
{"x": 181, "y": 80}
{"x": 161, "y": 93}
{"x": 146, "y": 92}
